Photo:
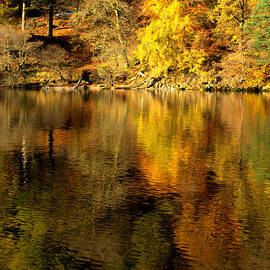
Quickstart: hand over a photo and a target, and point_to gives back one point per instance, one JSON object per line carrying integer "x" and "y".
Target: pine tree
{"x": 259, "y": 29}
{"x": 50, "y": 4}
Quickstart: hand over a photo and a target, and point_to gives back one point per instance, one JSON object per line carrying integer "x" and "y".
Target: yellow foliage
{"x": 166, "y": 42}
{"x": 194, "y": 61}
{"x": 227, "y": 15}
{"x": 256, "y": 75}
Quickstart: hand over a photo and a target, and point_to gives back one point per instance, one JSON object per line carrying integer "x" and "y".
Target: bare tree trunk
{"x": 51, "y": 18}
{"x": 23, "y": 15}
{"x": 117, "y": 25}
{"x": 124, "y": 54}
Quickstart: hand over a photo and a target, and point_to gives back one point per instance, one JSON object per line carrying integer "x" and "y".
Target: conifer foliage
{"x": 259, "y": 28}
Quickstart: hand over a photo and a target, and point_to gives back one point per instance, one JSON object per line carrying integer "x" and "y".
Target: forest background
{"x": 183, "y": 44}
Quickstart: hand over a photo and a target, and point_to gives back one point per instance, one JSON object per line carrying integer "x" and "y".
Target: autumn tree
{"x": 112, "y": 23}
{"x": 172, "y": 38}
{"x": 53, "y": 57}
{"x": 15, "y": 54}
{"x": 230, "y": 17}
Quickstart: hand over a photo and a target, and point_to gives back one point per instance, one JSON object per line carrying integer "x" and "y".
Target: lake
{"x": 134, "y": 180}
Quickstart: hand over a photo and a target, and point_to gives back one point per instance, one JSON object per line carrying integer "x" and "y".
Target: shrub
{"x": 53, "y": 57}
{"x": 15, "y": 54}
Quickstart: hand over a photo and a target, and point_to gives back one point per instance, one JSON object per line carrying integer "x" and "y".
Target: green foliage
{"x": 8, "y": 10}
{"x": 259, "y": 29}
{"x": 152, "y": 242}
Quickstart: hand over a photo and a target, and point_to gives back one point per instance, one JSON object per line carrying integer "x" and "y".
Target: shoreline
{"x": 99, "y": 87}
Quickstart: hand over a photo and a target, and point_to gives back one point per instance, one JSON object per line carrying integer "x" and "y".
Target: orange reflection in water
{"x": 205, "y": 163}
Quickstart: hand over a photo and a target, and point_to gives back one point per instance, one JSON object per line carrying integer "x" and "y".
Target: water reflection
{"x": 134, "y": 180}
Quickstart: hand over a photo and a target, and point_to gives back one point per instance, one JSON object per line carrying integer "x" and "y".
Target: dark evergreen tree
{"x": 259, "y": 29}
{"x": 50, "y": 4}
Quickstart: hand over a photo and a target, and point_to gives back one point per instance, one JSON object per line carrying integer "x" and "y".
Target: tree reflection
{"x": 128, "y": 180}
{"x": 194, "y": 149}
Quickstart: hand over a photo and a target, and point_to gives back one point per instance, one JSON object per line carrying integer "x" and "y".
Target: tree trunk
{"x": 23, "y": 15}
{"x": 117, "y": 25}
{"x": 124, "y": 54}
{"x": 51, "y": 18}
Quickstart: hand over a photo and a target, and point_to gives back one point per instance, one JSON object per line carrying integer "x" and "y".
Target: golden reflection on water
{"x": 202, "y": 147}
{"x": 134, "y": 180}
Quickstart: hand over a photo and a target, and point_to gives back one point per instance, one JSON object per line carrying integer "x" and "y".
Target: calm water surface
{"x": 134, "y": 180}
